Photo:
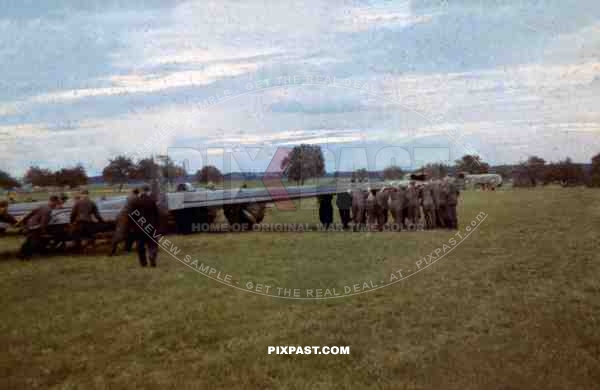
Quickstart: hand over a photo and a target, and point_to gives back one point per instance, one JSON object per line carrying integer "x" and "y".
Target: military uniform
{"x": 398, "y": 204}
{"x": 359, "y": 200}
{"x": 428, "y": 206}
{"x": 82, "y": 219}
{"x": 4, "y": 215}
{"x": 145, "y": 208}
{"x": 440, "y": 199}
{"x": 373, "y": 209}
{"x": 412, "y": 200}
{"x": 36, "y": 223}
{"x": 383, "y": 197}
{"x": 344, "y": 204}
{"x": 326, "y": 209}
{"x": 453, "y": 194}
{"x": 124, "y": 230}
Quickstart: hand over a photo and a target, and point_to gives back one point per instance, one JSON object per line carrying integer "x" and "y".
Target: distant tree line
{"x": 535, "y": 171}
{"x": 307, "y": 161}
{"x": 65, "y": 177}
{"x": 122, "y": 169}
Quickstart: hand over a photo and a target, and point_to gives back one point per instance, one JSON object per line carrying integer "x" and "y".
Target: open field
{"x": 514, "y": 306}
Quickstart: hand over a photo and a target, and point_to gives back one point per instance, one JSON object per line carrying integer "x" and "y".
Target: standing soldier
{"x": 428, "y": 206}
{"x": 383, "y": 198}
{"x": 145, "y": 212}
{"x": 343, "y": 202}
{"x": 398, "y": 206}
{"x": 373, "y": 209}
{"x": 325, "y": 210}
{"x": 82, "y": 218}
{"x": 123, "y": 230}
{"x": 453, "y": 194}
{"x": 440, "y": 200}
{"x": 36, "y": 223}
{"x": 359, "y": 208}
{"x": 412, "y": 200}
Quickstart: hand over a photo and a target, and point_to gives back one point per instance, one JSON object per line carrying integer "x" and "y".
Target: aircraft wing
{"x": 110, "y": 208}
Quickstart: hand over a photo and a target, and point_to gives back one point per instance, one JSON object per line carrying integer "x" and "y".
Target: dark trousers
{"x": 129, "y": 240}
{"x": 442, "y": 216}
{"x": 142, "y": 241}
{"x": 399, "y": 217}
{"x": 84, "y": 231}
{"x": 452, "y": 221}
{"x": 326, "y": 214}
{"x": 34, "y": 243}
{"x": 345, "y": 217}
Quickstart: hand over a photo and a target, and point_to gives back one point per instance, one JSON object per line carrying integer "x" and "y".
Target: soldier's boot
{"x": 152, "y": 252}
{"x": 142, "y": 254}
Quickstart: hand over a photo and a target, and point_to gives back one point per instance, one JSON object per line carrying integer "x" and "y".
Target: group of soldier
{"x": 144, "y": 205}
{"x": 85, "y": 223}
{"x": 431, "y": 205}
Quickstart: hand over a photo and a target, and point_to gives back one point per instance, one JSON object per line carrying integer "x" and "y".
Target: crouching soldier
{"x": 145, "y": 212}
{"x": 5, "y": 217}
{"x": 82, "y": 218}
{"x": 36, "y": 223}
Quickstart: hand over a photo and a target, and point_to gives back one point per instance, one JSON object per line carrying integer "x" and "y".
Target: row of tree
{"x": 535, "y": 171}
{"x": 65, "y": 177}
{"x": 305, "y": 162}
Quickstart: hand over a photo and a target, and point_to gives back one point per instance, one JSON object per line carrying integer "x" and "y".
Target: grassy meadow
{"x": 516, "y": 305}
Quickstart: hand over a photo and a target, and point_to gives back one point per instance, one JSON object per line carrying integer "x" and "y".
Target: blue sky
{"x": 82, "y": 81}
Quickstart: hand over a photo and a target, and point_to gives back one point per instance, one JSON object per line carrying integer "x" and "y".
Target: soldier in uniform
{"x": 145, "y": 209}
{"x": 453, "y": 194}
{"x": 359, "y": 205}
{"x": 412, "y": 200}
{"x": 36, "y": 223}
{"x": 398, "y": 206}
{"x": 123, "y": 230}
{"x": 440, "y": 200}
{"x": 383, "y": 197}
{"x": 343, "y": 202}
{"x": 428, "y": 206}
{"x": 4, "y": 215}
{"x": 326, "y": 209}
{"x": 373, "y": 209}
{"x": 82, "y": 218}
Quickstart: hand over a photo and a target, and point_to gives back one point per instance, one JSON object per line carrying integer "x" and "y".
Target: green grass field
{"x": 516, "y": 305}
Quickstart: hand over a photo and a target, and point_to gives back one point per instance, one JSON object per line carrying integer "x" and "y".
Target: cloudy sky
{"x": 417, "y": 81}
